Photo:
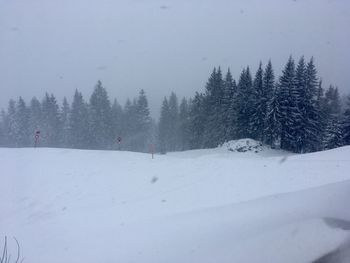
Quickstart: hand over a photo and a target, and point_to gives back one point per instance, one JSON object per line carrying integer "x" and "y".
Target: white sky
{"x": 162, "y": 45}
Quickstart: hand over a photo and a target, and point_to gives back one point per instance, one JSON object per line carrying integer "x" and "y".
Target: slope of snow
{"x": 197, "y": 206}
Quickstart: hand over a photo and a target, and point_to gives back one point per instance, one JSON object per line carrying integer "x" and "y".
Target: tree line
{"x": 82, "y": 125}
{"x": 291, "y": 112}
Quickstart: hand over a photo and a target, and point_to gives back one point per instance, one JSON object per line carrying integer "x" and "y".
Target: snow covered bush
{"x": 244, "y": 145}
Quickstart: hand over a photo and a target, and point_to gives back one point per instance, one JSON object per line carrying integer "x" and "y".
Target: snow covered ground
{"x": 197, "y": 206}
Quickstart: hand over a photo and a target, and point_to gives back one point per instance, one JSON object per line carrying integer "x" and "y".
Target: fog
{"x": 162, "y": 46}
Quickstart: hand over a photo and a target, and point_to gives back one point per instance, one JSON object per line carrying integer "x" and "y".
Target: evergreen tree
{"x": 332, "y": 102}
{"x": 143, "y": 123}
{"x": 117, "y": 119}
{"x": 129, "y": 129}
{"x": 11, "y": 125}
{"x": 197, "y": 120}
{"x": 174, "y": 123}
{"x": 332, "y": 111}
{"x": 301, "y": 103}
{"x": 310, "y": 114}
{"x": 164, "y": 127}
{"x": 272, "y": 129}
{"x": 64, "y": 115}
{"x": 289, "y": 114}
{"x": 152, "y": 137}
{"x": 270, "y": 106}
{"x": 244, "y": 102}
{"x": 259, "y": 106}
{"x": 100, "y": 118}
{"x": 22, "y": 120}
{"x": 79, "y": 136}
{"x": 228, "y": 107}
{"x": 321, "y": 116}
{"x": 50, "y": 133}
{"x": 214, "y": 133}
{"x": 184, "y": 125}
{"x": 35, "y": 120}
{"x": 137, "y": 124}
{"x": 334, "y": 135}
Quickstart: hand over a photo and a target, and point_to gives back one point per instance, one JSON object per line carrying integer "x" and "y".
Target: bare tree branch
{"x": 6, "y": 257}
{"x": 18, "y": 250}
{"x": 4, "y": 253}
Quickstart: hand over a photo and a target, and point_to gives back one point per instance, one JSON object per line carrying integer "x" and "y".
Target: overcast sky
{"x": 162, "y": 46}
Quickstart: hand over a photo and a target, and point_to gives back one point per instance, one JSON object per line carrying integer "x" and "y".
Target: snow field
{"x": 197, "y": 206}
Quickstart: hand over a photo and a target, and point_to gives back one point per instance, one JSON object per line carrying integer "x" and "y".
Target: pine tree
{"x": 79, "y": 136}
{"x": 184, "y": 125}
{"x": 244, "y": 102}
{"x": 117, "y": 119}
{"x": 228, "y": 107}
{"x": 321, "y": 116}
{"x": 127, "y": 116}
{"x": 301, "y": 103}
{"x": 164, "y": 127}
{"x": 64, "y": 115}
{"x": 100, "y": 118}
{"x": 214, "y": 126}
{"x": 310, "y": 114}
{"x": 22, "y": 120}
{"x": 10, "y": 125}
{"x": 129, "y": 129}
{"x": 197, "y": 121}
{"x": 152, "y": 137}
{"x": 289, "y": 114}
{"x": 332, "y": 111}
{"x": 35, "y": 120}
{"x": 332, "y": 138}
{"x": 269, "y": 100}
{"x": 50, "y": 133}
{"x": 332, "y": 102}
{"x": 174, "y": 123}
{"x": 259, "y": 106}
{"x": 334, "y": 135}
{"x": 272, "y": 129}
{"x": 140, "y": 139}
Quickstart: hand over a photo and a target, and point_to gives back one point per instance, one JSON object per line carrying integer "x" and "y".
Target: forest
{"x": 292, "y": 112}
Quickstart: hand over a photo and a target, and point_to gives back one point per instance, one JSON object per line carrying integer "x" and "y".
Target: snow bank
{"x": 279, "y": 228}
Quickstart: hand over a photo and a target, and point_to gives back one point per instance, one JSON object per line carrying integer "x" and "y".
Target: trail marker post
{"x": 36, "y": 138}
{"x": 119, "y": 140}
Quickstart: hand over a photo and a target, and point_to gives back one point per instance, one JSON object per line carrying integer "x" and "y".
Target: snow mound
{"x": 244, "y": 145}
